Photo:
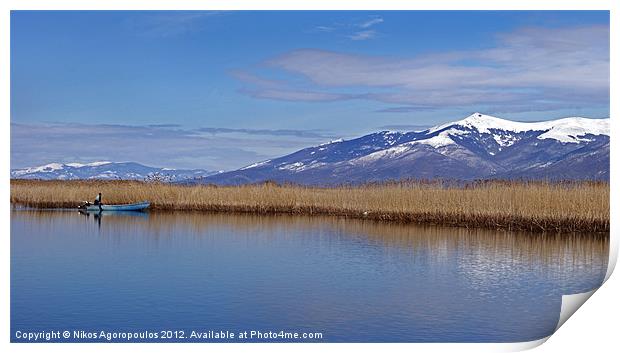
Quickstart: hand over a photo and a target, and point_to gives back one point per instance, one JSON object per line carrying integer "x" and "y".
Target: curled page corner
{"x": 613, "y": 256}
{"x": 524, "y": 346}
{"x": 570, "y": 304}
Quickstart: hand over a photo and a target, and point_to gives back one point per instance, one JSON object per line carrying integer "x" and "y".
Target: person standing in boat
{"x": 98, "y": 201}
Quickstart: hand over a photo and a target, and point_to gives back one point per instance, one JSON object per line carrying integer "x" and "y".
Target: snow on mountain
{"x": 479, "y": 146}
{"x": 439, "y": 140}
{"x": 105, "y": 170}
{"x": 564, "y": 130}
{"x": 93, "y": 164}
{"x": 572, "y": 130}
{"x": 48, "y": 168}
{"x": 258, "y": 164}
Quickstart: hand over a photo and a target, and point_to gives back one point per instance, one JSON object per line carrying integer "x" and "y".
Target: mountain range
{"x": 477, "y": 147}
{"x": 107, "y": 171}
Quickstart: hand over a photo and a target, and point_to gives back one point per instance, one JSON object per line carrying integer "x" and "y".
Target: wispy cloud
{"x": 404, "y": 127}
{"x": 371, "y": 22}
{"x": 286, "y": 94}
{"x": 363, "y": 35}
{"x": 164, "y": 125}
{"x": 324, "y": 28}
{"x": 405, "y": 109}
{"x": 268, "y": 132}
{"x": 283, "y": 90}
{"x": 168, "y": 24}
{"x": 530, "y": 69}
{"x": 366, "y": 33}
{"x": 355, "y": 30}
{"x": 164, "y": 145}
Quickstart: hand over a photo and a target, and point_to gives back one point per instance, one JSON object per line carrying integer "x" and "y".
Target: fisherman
{"x": 98, "y": 201}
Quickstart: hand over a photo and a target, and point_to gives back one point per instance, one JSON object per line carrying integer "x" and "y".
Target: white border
{"x": 572, "y": 335}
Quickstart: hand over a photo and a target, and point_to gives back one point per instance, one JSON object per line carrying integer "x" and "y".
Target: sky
{"x": 221, "y": 90}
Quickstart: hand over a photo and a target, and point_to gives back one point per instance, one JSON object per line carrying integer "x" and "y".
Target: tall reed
{"x": 533, "y": 206}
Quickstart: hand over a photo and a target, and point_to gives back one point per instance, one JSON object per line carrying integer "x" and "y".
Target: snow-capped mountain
{"x": 106, "y": 171}
{"x": 479, "y": 146}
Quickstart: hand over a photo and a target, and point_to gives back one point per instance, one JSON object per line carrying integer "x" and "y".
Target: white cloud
{"x": 540, "y": 67}
{"x": 296, "y": 95}
{"x": 324, "y": 28}
{"x": 169, "y": 24}
{"x": 371, "y": 22}
{"x": 353, "y": 30}
{"x": 162, "y": 145}
{"x": 363, "y": 35}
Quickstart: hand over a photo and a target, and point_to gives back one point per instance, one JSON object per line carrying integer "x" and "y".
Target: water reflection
{"x": 98, "y": 216}
{"x": 483, "y": 244}
{"x": 353, "y": 280}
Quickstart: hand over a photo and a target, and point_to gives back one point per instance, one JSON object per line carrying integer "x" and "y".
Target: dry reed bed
{"x": 534, "y": 206}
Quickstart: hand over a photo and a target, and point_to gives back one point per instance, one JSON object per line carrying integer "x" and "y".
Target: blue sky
{"x": 220, "y": 90}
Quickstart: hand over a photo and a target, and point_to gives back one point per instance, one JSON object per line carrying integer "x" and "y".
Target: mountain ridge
{"x": 106, "y": 170}
{"x": 478, "y": 146}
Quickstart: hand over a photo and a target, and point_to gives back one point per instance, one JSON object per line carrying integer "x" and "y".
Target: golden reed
{"x": 530, "y": 206}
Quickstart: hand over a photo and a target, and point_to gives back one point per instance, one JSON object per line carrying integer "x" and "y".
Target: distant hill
{"x": 107, "y": 171}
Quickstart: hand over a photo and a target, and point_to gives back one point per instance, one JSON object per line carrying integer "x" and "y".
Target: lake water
{"x": 349, "y": 280}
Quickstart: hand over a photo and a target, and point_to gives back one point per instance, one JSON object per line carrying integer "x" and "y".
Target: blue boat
{"x": 140, "y": 206}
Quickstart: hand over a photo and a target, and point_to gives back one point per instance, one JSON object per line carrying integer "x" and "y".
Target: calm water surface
{"x": 350, "y": 280}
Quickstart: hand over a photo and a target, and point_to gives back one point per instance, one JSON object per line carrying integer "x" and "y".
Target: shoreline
{"x": 535, "y": 207}
{"x": 432, "y": 219}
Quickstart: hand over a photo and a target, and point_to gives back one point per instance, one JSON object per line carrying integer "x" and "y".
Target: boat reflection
{"x": 99, "y": 215}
